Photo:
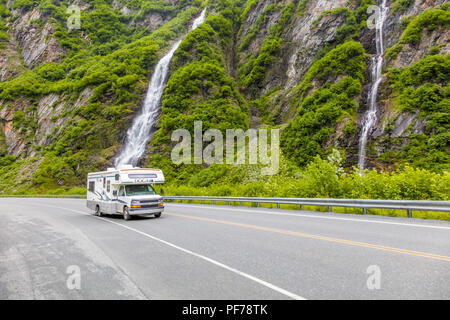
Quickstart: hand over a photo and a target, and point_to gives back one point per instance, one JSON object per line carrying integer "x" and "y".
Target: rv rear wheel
{"x": 126, "y": 214}
{"x": 97, "y": 211}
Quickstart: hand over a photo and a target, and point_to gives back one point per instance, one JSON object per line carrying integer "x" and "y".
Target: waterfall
{"x": 139, "y": 134}
{"x": 377, "y": 64}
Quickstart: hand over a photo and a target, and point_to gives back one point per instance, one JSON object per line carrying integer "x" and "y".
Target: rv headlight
{"x": 160, "y": 203}
{"x": 135, "y": 204}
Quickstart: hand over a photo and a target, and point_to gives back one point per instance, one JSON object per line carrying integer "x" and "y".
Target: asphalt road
{"x": 56, "y": 249}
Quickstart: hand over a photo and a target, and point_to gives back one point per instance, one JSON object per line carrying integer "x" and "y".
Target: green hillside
{"x": 67, "y": 97}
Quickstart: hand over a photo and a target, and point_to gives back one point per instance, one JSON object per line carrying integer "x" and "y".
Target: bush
{"x": 324, "y": 179}
{"x": 7, "y": 160}
{"x": 430, "y": 19}
{"x": 401, "y": 5}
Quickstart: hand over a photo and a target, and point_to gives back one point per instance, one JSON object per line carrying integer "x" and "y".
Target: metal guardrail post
{"x": 364, "y": 211}
{"x": 409, "y": 213}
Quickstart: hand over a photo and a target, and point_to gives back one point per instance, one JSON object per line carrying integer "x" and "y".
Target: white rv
{"x": 127, "y": 191}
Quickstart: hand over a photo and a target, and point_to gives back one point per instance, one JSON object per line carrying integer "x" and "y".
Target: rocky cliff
{"x": 68, "y": 96}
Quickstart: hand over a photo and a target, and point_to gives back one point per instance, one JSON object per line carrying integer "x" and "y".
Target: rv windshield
{"x": 140, "y": 189}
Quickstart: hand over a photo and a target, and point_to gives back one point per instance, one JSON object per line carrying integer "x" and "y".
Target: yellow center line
{"x": 313, "y": 236}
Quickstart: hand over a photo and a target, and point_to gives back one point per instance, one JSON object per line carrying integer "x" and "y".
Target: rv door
{"x": 120, "y": 200}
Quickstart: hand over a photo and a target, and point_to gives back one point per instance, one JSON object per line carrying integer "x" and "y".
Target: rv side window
{"x": 108, "y": 188}
{"x": 91, "y": 186}
{"x": 122, "y": 191}
{"x": 104, "y": 183}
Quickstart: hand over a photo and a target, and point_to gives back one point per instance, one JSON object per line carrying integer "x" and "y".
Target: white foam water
{"x": 139, "y": 134}
{"x": 377, "y": 64}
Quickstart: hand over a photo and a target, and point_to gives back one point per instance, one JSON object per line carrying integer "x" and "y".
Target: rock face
{"x": 14, "y": 142}
{"x": 311, "y": 31}
{"x": 10, "y": 62}
{"x": 404, "y": 124}
{"x": 31, "y": 44}
{"x": 37, "y": 44}
{"x": 411, "y": 54}
{"x": 313, "y": 28}
{"x": 307, "y": 41}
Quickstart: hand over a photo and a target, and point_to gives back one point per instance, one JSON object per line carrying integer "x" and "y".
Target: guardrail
{"x": 42, "y": 196}
{"x": 364, "y": 204}
{"x": 408, "y": 205}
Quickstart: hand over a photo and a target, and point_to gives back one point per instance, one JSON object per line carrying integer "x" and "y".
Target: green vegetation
{"x": 318, "y": 113}
{"x": 229, "y": 73}
{"x": 252, "y": 72}
{"x": 401, "y": 5}
{"x": 321, "y": 179}
{"x": 423, "y": 87}
{"x": 4, "y": 14}
{"x": 200, "y": 87}
{"x": 257, "y": 26}
{"x": 429, "y": 20}
{"x": 335, "y": 12}
{"x": 302, "y": 7}
{"x": 112, "y": 70}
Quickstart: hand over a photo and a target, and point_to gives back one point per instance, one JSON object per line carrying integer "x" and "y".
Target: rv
{"x": 127, "y": 191}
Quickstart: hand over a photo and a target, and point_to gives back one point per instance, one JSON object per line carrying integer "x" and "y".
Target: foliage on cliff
{"x": 231, "y": 72}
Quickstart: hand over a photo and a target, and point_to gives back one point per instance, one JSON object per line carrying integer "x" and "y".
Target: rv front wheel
{"x": 157, "y": 215}
{"x": 97, "y": 211}
{"x": 126, "y": 214}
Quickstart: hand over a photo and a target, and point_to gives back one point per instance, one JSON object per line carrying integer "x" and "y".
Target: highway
{"x": 217, "y": 252}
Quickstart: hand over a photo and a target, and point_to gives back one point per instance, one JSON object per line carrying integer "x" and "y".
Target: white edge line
{"x": 217, "y": 263}
{"x": 308, "y": 216}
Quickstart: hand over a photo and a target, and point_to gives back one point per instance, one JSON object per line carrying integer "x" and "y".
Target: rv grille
{"x": 149, "y": 201}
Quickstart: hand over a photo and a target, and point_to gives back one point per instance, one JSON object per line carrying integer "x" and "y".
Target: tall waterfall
{"x": 139, "y": 133}
{"x": 377, "y": 64}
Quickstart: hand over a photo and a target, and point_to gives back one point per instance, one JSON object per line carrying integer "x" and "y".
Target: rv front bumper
{"x": 145, "y": 211}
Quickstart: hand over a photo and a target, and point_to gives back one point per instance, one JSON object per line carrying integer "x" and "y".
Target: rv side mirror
{"x": 162, "y": 191}
{"x": 115, "y": 193}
